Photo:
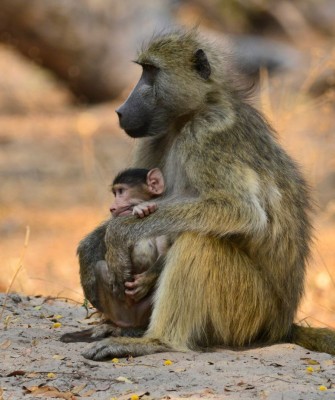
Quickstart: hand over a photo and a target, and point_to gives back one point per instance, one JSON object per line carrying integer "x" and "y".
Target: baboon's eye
{"x": 149, "y": 73}
{"x": 149, "y": 68}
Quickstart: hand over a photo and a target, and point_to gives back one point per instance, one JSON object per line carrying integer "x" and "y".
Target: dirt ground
{"x": 57, "y": 160}
{"x": 35, "y": 364}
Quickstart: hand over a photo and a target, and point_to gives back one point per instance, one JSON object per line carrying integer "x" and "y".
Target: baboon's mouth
{"x": 124, "y": 211}
{"x": 137, "y": 132}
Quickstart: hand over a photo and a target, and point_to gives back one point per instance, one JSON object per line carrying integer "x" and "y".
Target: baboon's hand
{"x": 119, "y": 267}
{"x": 116, "y": 284}
{"x": 117, "y": 281}
{"x": 141, "y": 286}
{"x": 143, "y": 209}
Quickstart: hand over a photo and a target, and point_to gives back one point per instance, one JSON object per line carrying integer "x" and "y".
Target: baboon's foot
{"x": 99, "y": 332}
{"x": 93, "y": 334}
{"x": 124, "y": 347}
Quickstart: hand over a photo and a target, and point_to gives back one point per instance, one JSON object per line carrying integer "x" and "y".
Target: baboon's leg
{"x": 123, "y": 347}
{"x": 108, "y": 305}
{"x": 92, "y": 334}
{"x": 208, "y": 294}
{"x": 90, "y": 251}
{"x": 100, "y": 332}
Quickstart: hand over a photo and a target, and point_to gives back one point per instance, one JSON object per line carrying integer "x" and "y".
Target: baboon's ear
{"x": 201, "y": 64}
{"x": 155, "y": 182}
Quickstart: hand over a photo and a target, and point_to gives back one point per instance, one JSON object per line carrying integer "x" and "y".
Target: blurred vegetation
{"x": 89, "y": 44}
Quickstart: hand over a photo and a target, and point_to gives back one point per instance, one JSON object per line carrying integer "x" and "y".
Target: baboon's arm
{"x": 216, "y": 216}
{"x": 224, "y": 193}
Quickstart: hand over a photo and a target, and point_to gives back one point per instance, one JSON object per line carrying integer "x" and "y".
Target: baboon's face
{"x": 137, "y": 113}
{"x": 172, "y": 86}
{"x": 126, "y": 197}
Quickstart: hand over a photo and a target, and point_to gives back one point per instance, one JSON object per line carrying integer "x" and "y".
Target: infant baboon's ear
{"x": 155, "y": 182}
{"x": 201, "y": 64}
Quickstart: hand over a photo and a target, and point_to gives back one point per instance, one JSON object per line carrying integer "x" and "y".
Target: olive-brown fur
{"x": 237, "y": 203}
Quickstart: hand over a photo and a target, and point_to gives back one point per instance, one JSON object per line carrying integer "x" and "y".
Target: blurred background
{"x": 66, "y": 65}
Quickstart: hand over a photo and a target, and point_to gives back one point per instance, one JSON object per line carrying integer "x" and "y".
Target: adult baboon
{"x": 235, "y": 274}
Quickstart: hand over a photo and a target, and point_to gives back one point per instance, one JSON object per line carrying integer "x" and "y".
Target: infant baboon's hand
{"x": 141, "y": 286}
{"x": 144, "y": 209}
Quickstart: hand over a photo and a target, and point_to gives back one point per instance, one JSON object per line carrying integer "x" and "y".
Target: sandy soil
{"x": 35, "y": 364}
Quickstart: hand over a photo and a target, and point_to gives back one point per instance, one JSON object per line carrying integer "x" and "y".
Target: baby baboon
{"x": 235, "y": 274}
{"x": 133, "y": 189}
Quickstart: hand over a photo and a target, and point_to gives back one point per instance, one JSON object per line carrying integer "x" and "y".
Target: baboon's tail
{"x": 316, "y": 339}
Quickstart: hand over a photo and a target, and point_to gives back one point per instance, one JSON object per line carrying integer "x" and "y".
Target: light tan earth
{"x": 35, "y": 364}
